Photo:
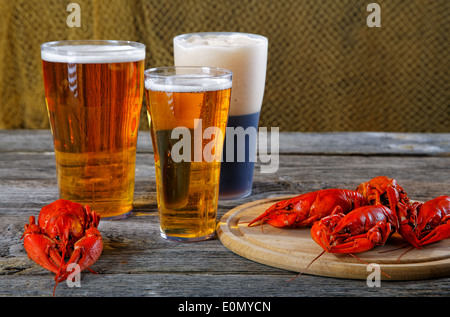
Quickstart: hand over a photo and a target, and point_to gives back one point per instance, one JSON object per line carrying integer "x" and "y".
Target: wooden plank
{"x": 218, "y": 285}
{"x": 350, "y": 143}
{"x": 26, "y": 141}
{"x": 136, "y": 261}
{"x": 366, "y": 143}
{"x": 336, "y": 143}
{"x": 24, "y": 177}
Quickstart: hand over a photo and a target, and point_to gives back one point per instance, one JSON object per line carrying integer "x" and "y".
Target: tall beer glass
{"x": 188, "y": 110}
{"x": 246, "y": 56}
{"x": 94, "y": 92}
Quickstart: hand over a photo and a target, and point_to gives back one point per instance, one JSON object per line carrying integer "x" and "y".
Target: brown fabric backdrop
{"x": 327, "y": 70}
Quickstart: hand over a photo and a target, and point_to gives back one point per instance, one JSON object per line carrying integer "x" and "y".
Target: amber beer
{"x": 94, "y": 92}
{"x": 183, "y": 104}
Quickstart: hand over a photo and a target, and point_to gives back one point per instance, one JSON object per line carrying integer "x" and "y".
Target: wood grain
{"x": 136, "y": 261}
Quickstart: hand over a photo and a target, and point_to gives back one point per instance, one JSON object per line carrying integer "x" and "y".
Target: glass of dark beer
{"x": 94, "y": 91}
{"x": 246, "y": 56}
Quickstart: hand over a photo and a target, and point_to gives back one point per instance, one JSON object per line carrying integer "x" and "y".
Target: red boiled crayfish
{"x": 425, "y": 223}
{"x": 419, "y": 223}
{"x": 64, "y": 230}
{"x": 360, "y": 230}
{"x": 382, "y": 190}
{"x": 305, "y": 209}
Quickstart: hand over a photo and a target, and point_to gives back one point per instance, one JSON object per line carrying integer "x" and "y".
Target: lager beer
{"x": 246, "y": 56}
{"x": 94, "y": 92}
{"x": 194, "y": 100}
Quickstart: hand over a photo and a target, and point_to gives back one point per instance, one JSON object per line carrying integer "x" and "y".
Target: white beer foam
{"x": 189, "y": 83}
{"x": 90, "y": 54}
{"x": 221, "y": 40}
{"x": 244, "y": 54}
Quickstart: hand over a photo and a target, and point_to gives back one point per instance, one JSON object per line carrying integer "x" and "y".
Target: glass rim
{"x": 166, "y": 71}
{"x": 254, "y": 35}
{"x": 55, "y": 47}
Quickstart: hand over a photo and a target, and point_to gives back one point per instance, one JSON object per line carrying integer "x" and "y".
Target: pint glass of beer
{"x": 246, "y": 56}
{"x": 188, "y": 110}
{"x": 94, "y": 92}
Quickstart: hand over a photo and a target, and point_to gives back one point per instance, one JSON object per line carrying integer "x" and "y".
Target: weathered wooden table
{"x": 136, "y": 261}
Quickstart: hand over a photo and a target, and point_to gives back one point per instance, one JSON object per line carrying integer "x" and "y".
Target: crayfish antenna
{"x": 395, "y": 249}
{"x": 368, "y": 264}
{"x": 260, "y": 218}
{"x": 58, "y": 275}
{"x": 91, "y": 270}
{"x": 54, "y": 288}
{"x": 307, "y": 266}
{"x": 398, "y": 260}
{"x": 252, "y": 223}
{"x": 59, "y": 279}
{"x": 399, "y": 248}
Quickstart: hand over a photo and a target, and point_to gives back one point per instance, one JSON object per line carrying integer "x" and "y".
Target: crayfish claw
{"x": 425, "y": 223}
{"x": 358, "y": 231}
{"x": 86, "y": 252}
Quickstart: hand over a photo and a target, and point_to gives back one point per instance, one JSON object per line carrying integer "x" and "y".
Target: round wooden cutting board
{"x": 294, "y": 249}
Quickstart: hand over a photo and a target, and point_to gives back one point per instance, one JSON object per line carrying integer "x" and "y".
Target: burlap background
{"x": 327, "y": 70}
